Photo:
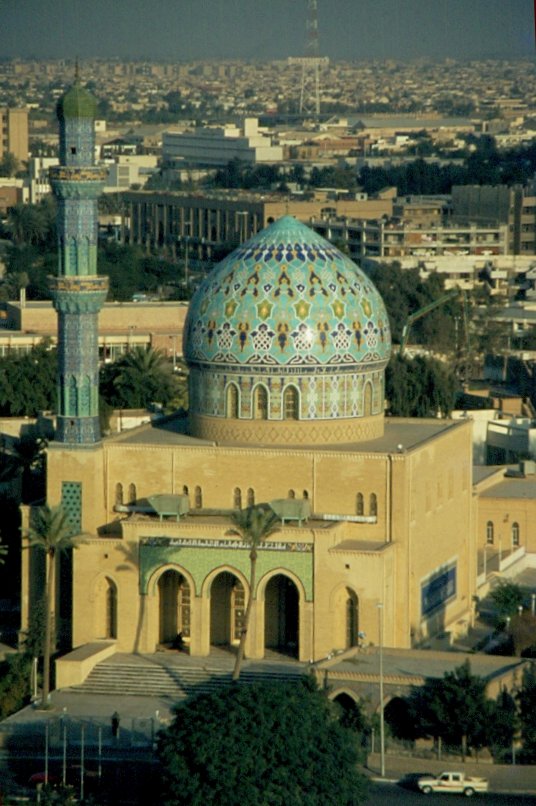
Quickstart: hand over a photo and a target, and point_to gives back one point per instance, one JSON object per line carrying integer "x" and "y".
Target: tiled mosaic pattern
{"x": 287, "y": 313}
{"x": 77, "y": 293}
{"x": 287, "y": 298}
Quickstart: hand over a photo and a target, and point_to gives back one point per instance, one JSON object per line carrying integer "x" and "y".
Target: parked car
{"x": 455, "y": 783}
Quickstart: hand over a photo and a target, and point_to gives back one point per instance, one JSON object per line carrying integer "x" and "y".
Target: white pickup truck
{"x": 455, "y": 782}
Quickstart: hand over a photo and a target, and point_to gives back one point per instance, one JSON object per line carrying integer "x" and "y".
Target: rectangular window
{"x": 438, "y": 589}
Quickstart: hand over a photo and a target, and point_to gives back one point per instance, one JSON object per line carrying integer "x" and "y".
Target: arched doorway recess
{"x": 227, "y": 605}
{"x": 281, "y": 616}
{"x": 174, "y": 606}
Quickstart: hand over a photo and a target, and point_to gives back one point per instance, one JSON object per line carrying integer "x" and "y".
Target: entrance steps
{"x": 168, "y": 676}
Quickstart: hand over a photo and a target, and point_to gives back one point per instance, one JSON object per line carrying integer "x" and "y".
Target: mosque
{"x": 287, "y": 343}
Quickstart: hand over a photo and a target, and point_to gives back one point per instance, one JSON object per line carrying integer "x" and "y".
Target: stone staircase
{"x": 158, "y": 678}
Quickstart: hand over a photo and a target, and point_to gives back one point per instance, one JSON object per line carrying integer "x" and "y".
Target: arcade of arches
{"x": 279, "y": 610}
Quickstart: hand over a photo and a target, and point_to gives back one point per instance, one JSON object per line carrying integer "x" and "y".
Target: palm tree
{"x": 253, "y": 525}
{"x": 138, "y": 378}
{"x": 27, "y": 224}
{"x": 51, "y": 533}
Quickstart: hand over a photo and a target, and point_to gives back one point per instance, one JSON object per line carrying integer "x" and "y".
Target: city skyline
{"x": 182, "y": 30}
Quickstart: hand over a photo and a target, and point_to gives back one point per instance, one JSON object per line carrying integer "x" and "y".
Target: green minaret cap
{"x": 77, "y": 103}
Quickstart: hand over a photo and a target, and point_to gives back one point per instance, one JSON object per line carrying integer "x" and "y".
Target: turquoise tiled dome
{"x": 287, "y": 298}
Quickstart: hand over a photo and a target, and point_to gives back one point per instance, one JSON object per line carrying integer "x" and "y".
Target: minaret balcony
{"x": 76, "y": 173}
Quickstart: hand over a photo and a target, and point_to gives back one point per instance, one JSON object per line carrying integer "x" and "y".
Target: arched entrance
{"x": 351, "y": 713}
{"x": 174, "y": 606}
{"x": 105, "y": 610}
{"x": 345, "y": 633}
{"x": 281, "y": 616}
{"x": 227, "y": 604}
{"x": 352, "y": 619}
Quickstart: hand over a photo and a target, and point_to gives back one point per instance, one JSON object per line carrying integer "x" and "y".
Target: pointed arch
{"x": 260, "y": 402}
{"x": 250, "y": 497}
{"x": 118, "y": 494}
{"x": 174, "y": 594}
{"x": 132, "y": 494}
{"x": 344, "y": 605}
{"x": 516, "y": 542}
{"x": 198, "y": 498}
{"x": 237, "y": 498}
{"x": 105, "y": 607}
{"x": 291, "y": 494}
{"x": 373, "y": 505}
{"x": 72, "y": 396}
{"x": 291, "y": 403}
{"x": 232, "y": 400}
{"x": 359, "y": 504}
{"x": 111, "y": 609}
{"x": 85, "y": 397}
{"x": 367, "y": 399}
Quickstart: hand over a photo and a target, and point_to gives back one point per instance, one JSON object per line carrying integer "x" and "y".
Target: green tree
{"x": 253, "y": 525}
{"x": 137, "y": 379}
{"x": 9, "y": 164}
{"x": 28, "y": 382}
{"x": 507, "y": 597}
{"x": 419, "y": 387}
{"x": 523, "y": 632}
{"x": 268, "y": 744}
{"x": 27, "y": 224}
{"x": 526, "y": 699}
{"x": 503, "y": 724}
{"x": 453, "y": 708}
{"x": 52, "y": 533}
{"x": 29, "y": 450}
{"x": 14, "y": 683}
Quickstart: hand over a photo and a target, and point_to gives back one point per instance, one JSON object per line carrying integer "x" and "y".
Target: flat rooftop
{"x": 421, "y": 663}
{"x": 512, "y": 488}
{"x": 400, "y": 435}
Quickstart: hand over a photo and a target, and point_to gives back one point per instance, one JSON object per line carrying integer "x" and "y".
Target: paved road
{"x": 387, "y": 793}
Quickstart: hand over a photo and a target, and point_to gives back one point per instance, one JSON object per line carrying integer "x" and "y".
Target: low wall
{"x": 73, "y": 669}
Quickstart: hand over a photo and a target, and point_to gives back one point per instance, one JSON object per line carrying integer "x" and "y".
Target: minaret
{"x": 77, "y": 291}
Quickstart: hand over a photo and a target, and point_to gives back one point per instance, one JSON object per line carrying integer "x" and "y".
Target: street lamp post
{"x": 174, "y": 347}
{"x": 382, "y": 725}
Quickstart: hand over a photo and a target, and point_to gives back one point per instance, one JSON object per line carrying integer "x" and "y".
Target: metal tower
{"x": 310, "y": 64}
{"x": 77, "y": 291}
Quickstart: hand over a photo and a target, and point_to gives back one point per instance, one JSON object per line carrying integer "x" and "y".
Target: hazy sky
{"x": 180, "y": 30}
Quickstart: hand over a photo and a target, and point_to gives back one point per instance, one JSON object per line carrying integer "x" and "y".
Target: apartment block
{"x": 14, "y": 132}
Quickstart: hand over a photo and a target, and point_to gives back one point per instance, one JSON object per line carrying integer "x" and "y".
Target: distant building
{"x": 129, "y": 170}
{"x": 211, "y": 219}
{"x": 515, "y": 207}
{"x": 122, "y": 326}
{"x": 11, "y": 193}
{"x": 14, "y": 133}
{"x": 394, "y": 238}
{"x": 39, "y": 177}
{"x": 218, "y": 146}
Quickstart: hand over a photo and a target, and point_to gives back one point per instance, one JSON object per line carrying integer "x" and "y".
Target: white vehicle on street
{"x": 456, "y": 783}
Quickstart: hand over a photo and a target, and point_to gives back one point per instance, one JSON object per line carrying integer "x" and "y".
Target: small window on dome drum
{"x": 232, "y": 401}
{"x": 291, "y": 403}
{"x": 260, "y": 403}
